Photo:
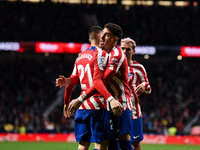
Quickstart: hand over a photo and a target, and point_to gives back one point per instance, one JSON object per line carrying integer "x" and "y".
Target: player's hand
{"x": 74, "y": 105}
{"x": 65, "y": 112}
{"x": 140, "y": 89}
{"x": 116, "y": 107}
{"x": 62, "y": 81}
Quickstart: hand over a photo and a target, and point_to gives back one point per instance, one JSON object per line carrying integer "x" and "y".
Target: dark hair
{"x": 93, "y": 31}
{"x": 115, "y": 29}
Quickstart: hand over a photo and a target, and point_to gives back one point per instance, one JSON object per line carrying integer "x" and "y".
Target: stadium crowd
{"x": 27, "y": 84}
{"x": 152, "y": 25}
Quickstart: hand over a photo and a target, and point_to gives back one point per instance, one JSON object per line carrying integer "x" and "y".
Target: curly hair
{"x": 115, "y": 29}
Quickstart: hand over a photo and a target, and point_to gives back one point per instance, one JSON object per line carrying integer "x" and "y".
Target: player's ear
{"x": 115, "y": 39}
{"x": 89, "y": 40}
{"x": 133, "y": 51}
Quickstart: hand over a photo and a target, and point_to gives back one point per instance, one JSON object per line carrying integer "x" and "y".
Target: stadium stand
{"x": 152, "y": 25}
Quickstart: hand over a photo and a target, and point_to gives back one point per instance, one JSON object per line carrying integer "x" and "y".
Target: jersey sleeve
{"x": 69, "y": 88}
{"x": 68, "y": 93}
{"x": 116, "y": 60}
{"x": 144, "y": 80}
{"x": 74, "y": 79}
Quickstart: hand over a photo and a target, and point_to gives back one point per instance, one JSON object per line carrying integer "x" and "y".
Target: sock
{"x": 125, "y": 145}
{"x": 113, "y": 145}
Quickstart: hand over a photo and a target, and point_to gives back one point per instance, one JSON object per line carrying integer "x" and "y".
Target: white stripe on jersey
{"x": 120, "y": 84}
{"x": 139, "y": 65}
{"x": 95, "y": 104}
{"x": 86, "y": 105}
{"x": 116, "y": 51}
{"x": 121, "y": 61}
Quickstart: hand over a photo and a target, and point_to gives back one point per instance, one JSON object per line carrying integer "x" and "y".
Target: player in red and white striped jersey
{"x": 88, "y": 128}
{"x": 138, "y": 83}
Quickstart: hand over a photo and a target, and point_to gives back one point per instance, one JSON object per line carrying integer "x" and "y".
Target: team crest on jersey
{"x": 130, "y": 76}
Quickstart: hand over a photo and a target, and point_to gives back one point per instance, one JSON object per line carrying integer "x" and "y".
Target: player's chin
{"x": 101, "y": 45}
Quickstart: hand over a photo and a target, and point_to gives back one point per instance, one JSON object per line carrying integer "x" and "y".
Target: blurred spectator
{"x": 148, "y": 25}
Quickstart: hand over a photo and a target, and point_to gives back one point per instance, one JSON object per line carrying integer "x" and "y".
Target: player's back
{"x": 85, "y": 68}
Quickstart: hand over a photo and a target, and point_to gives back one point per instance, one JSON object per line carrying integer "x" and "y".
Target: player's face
{"x": 107, "y": 40}
{"x": 127, "y": 49}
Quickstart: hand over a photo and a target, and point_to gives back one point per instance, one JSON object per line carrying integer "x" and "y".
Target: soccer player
{"x": 115, "y": 76}
{"x": 92, "y": 120}
{"x": 138, "y": 83}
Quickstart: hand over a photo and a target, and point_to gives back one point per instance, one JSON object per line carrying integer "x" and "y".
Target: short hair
{"x": 115, "y": 29}
{"x": 128, "y": 41}
{"x": 93, "y": 31}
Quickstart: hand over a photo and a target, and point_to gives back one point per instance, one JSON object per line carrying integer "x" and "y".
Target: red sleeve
{"x": 101, "y": 78}
{"x": 68, "y": 93}
{"x": 74, "y": 79}
{"x": 97, "y": 84}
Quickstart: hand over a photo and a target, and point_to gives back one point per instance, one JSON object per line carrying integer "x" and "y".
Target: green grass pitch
{"x": 74, "y": 146}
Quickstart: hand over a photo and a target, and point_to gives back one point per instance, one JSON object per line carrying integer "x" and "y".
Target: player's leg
{"x": 113, "y": 145}
{"x": 137, "y": 145}
{"x": 123, "y": 131}
{"x": 136, "y": 133}
{"x": 83, "y": 145}
{"x": 125, "y": 142}
{"x": 82, "y": 133}
{"x": 101, "y": 145}
{"x": 101, "y": 129}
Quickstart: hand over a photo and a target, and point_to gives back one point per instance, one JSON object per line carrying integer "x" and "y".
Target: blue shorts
{"x": 136, "y": 130}
{"x": 92, "y": 125}
{"x": 122, "y": 124}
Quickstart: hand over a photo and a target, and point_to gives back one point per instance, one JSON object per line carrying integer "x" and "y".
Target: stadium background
{"x": 29, "y": 100}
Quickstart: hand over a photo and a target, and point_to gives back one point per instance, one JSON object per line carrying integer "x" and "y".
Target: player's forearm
{"x": 68, "y": 93}
{"x": 74, "y": 79}
{"x": 99, "y": 85}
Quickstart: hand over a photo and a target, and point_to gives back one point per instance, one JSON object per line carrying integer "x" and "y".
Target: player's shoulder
{"x": 87, "y": 54}
{"x": 117, "y": 52}
{"x": 137, "y": 65}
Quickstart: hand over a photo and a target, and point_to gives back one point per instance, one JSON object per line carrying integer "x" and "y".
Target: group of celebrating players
{"x": 108, "y": 111}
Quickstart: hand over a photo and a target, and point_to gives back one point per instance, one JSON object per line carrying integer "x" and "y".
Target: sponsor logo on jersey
{"x": 114, "y": 60}
{"x": 103, "y": 60}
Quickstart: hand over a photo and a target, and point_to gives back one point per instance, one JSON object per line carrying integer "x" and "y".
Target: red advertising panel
{"x": 50, "y": 47}
{"x": 59, "y": 47}
{"x": 70, "y": 137}
{"x": 190, "y": 51}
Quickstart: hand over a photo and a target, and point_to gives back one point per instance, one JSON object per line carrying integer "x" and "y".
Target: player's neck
{"x": 94, "y": 45}
{"x": 130, "y": 61}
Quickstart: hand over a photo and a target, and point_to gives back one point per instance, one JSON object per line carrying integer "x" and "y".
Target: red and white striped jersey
{"x": 84, "y": 68}
{"x": 137, "y": 75}
{"x": 114, "y": 75}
